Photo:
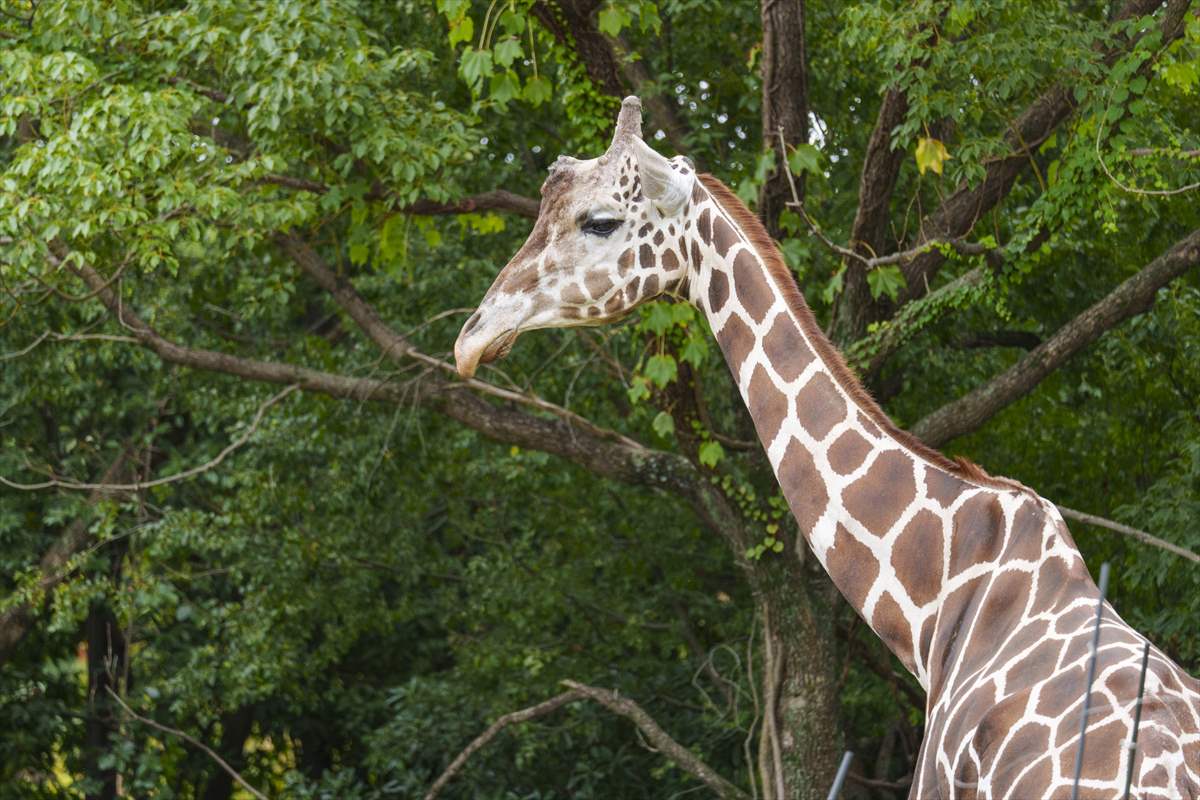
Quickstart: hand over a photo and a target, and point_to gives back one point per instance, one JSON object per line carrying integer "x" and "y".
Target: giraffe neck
{"x": 876, "y": 507}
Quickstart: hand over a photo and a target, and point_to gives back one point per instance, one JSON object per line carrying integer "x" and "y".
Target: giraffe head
{"x": 609, "y": 236}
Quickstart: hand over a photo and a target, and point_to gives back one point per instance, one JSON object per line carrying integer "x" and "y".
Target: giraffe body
{"x": 973, "y": 582}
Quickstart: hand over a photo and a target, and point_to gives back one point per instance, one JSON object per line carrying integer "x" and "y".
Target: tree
{"x": 236, "y": 244}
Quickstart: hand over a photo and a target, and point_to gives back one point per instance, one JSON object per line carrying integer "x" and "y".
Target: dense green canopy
{"x": 245, "y": 498}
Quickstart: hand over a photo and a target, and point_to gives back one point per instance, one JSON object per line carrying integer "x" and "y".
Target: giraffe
{"x": 974, "y": 582}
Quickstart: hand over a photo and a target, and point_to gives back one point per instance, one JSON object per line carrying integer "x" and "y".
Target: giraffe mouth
{"x": 500, "y": 347}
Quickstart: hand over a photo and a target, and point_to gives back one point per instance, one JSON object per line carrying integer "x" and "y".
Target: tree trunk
{"x": 784, "y": 101}
{"x": 801, "y": 744}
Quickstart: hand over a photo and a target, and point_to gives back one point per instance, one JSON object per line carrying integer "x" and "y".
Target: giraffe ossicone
{"x": 973, "y": 582}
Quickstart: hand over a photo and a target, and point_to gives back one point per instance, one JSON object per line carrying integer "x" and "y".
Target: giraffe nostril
{"x": 472, "y": 322}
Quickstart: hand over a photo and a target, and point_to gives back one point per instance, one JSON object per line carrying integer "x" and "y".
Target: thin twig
{"x": 233, "y": 773}
{"x": 1132, "y": 189}
{"x": 56, "y": 483}
{"x": 67, "y": 337}
{"x": 659, "y": 738}
{"x": 512, "y": 718}
{"x": 1141, "y": 536}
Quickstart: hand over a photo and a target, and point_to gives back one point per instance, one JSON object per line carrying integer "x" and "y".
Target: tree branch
{"x": 59, "y": 483}
{"x": 1140, "y": 535}
{"x": 957, "y": 215}
{"x": 511, "y": 718}
{"x": 614, "y": 703}
{"x": 1132, "y": 297}
{"x": 660, "y": 739}
{"x": 193, "y": 741}
{"x": 605, "y": 453}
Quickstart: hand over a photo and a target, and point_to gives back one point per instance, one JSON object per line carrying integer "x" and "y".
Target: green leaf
{"x": 461, "y": 30}
{"x": 639, "y": 389}
{"x": 358, "y": 253}
{"x": 661, "y": 369}
{"x": 694, "y": 351}
{"x": 506, "y": 51}
{"x": 658, "y": 318}
{"x": 537, "y": 90}
{"x": 711, "y": 453}
{"x": 805, "y": 158}
{"x": 777, "y": 546}
{"x": 504, "y": 87}
{"x": 931, "y": 154}
{"x": 887, "y": 280}
{"x": 613, "y": 19}
{"x": 475, "y": 66}
{"x": 663, "y": 424}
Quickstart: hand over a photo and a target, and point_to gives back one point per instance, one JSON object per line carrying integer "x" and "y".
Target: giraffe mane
{"x": 768, "y": 251}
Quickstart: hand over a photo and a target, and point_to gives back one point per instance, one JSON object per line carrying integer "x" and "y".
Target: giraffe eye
{"x": 600, "y": 227}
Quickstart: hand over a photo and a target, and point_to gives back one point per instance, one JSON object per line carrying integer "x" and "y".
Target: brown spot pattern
{"x": 670, "y": 260}
{"x": 819, "y": 406}
{"x": 942, "y": 487}
{"x": 646, "y": 256}
{"x": 785, "y": 348}
{"x": 625, "y": 261}
{"x": 718, "y": 291}
{"x": 1025, "y": 536}
{"x": 650, "y": 287}
{"x": 848, "y": 452}
{"x": 917, "y": 557}
{"x": 978, "y": 532}
{"x": 852, "y": 566}
{"x": 631, "y": 291}
{"x": 879, "y": 497}
{"x": 573, "y": 295}
{"x": 751, "y": 283}
{"x": 597, "y": 284}
{"x": 889, "y": 622}
{"x": 704, "y": 226}
{"x": 802, "y": 485}
{"x": 723, "y": 235}
{"x": 768, "y": 405}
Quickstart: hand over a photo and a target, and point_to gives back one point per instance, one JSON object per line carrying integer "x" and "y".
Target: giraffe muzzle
{"x": 475, "y": 347}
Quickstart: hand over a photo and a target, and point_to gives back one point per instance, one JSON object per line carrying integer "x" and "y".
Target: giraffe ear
{"x": 668, "y": 185}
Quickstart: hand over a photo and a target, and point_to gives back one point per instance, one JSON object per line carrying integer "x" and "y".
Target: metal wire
{"x": 1137, "y": 720}
{"x": 1091, "y": 674}
{"x": 840, "y": 778}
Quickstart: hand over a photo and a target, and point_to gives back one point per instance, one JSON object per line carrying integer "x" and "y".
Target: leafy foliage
{"x": 341, "y": 605}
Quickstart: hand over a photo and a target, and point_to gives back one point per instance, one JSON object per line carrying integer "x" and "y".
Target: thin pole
{"x": 840, "y": 778}
{"x": 1091, "y": 675}
{"x": 1137, "y": 720}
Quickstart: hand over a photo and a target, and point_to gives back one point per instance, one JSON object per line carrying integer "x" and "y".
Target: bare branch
{"x": 1140, "y": 535}
{"x": 193, "y": 741}
{"x": 511, "y": 718}
{"x": 59, "y": 483}
{"x": 660, "y": 739}
{"x": 960, "y": 246}
{"x": 1132, "y": 297}
{"x": 397, "y": 347}
{"x": 606, "y": 454}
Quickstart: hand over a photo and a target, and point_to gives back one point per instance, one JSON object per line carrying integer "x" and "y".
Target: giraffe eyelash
{"x": 601, "y": 226}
